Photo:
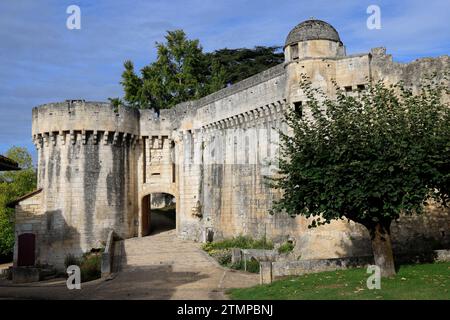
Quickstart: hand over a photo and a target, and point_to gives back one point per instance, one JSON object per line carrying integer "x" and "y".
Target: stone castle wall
{"x": 97, "y": 165}
{"x": 231, "y": 154}
{"x": 224, "y": 142}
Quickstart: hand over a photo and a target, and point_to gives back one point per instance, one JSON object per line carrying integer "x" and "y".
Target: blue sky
{"x": 42, "y": 61}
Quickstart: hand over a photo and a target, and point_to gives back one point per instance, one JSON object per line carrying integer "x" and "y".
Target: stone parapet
{"x": 82, "y": 116}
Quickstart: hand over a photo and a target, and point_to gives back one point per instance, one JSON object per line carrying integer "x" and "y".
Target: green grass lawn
{"x": 421, "y": 281}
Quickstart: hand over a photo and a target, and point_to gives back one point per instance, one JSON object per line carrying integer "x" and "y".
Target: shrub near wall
{"x": 221, "y": 251}
{"x": 91, "y": 267}
{"x": 89, "y": 263}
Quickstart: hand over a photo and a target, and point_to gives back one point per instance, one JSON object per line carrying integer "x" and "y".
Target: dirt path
{"x": 156, "y": 267}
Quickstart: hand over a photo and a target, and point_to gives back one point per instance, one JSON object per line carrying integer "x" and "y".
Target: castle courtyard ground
{"x": 155, "y": 267}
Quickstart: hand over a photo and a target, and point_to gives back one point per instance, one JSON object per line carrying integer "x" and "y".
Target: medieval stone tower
{"x": 99, "y": 164}
{"x": 87, "y": 172}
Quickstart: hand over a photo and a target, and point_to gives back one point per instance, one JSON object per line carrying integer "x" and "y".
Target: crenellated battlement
{"x": 84, "y": 137}
{"x": 82, "y": 116}
{"x": 264, "y": 114}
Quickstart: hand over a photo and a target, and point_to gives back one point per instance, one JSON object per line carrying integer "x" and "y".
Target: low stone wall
{"x": 271, "y": 270}
{"x": 291, "y": 268}
{"x": 259, "y": 254}
{"x": 442, "y": 255}
{"x": 30, "y": 274}
{"x": 25, "y": 275}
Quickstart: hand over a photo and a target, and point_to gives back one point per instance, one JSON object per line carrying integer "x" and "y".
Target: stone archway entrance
{"x": 158, "y": 213}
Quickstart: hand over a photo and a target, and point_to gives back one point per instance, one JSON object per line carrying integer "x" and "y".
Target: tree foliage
{"x": 180, "y": 73}
{"x": 14, "y": 184}
{"x": 366, "y": 158}
{"x": 183, "y": 72}
{"x": 239, "y": 64}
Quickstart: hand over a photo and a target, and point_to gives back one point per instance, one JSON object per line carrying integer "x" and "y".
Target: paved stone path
{"x": 5, "y": 266}
{"x": 156, "y": 267}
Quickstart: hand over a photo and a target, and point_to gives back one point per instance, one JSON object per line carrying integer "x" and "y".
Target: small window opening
{"x": 298, "y": 108}
{"x": 294, "y": 52}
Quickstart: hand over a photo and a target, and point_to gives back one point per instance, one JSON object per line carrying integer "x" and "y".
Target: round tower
{"x": 87, "y": 173}
{"x": 314, "y": 49}
{"x": 313, "y": 39}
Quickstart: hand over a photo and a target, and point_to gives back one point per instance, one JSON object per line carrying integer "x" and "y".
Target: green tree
{"x": 177, "y": 75}
{"x": 239, "y": 64}
{"x": 366, "y": 158}
{"x": 132, "y": 85}
{"x": 14, "y": 184}
{"x": 182, "y": 72}
{"x": 216, "y": 77}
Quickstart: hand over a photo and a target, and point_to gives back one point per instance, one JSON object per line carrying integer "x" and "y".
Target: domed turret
{"x": 312, "y": 30}
{"x": 313, "y": 38}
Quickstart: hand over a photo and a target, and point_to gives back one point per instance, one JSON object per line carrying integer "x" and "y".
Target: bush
{"x": 13, "y": 185}
{"x": 286, "y": 247}
{"x": 242, "y": 242}
{"x": 221, "y": 251}
{"x": 252, "y": 266}
{"x": 91, "y": 267}
{"x": 223, "y": 256}
{"x": 71, "y": 260}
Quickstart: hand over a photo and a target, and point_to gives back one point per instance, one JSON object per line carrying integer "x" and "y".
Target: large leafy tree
{"x": 183, "y": 72}
{"x": 242, "y": 63}
{"x": 367, "y": 158}
{"x": 14, "y": 184}
{"x": 180, "y": 73}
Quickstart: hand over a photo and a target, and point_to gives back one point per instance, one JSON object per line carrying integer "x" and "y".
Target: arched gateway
{"x": 158, "y": 213}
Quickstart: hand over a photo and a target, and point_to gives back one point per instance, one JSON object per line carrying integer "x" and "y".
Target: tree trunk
{"x": 382, "y": 249}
